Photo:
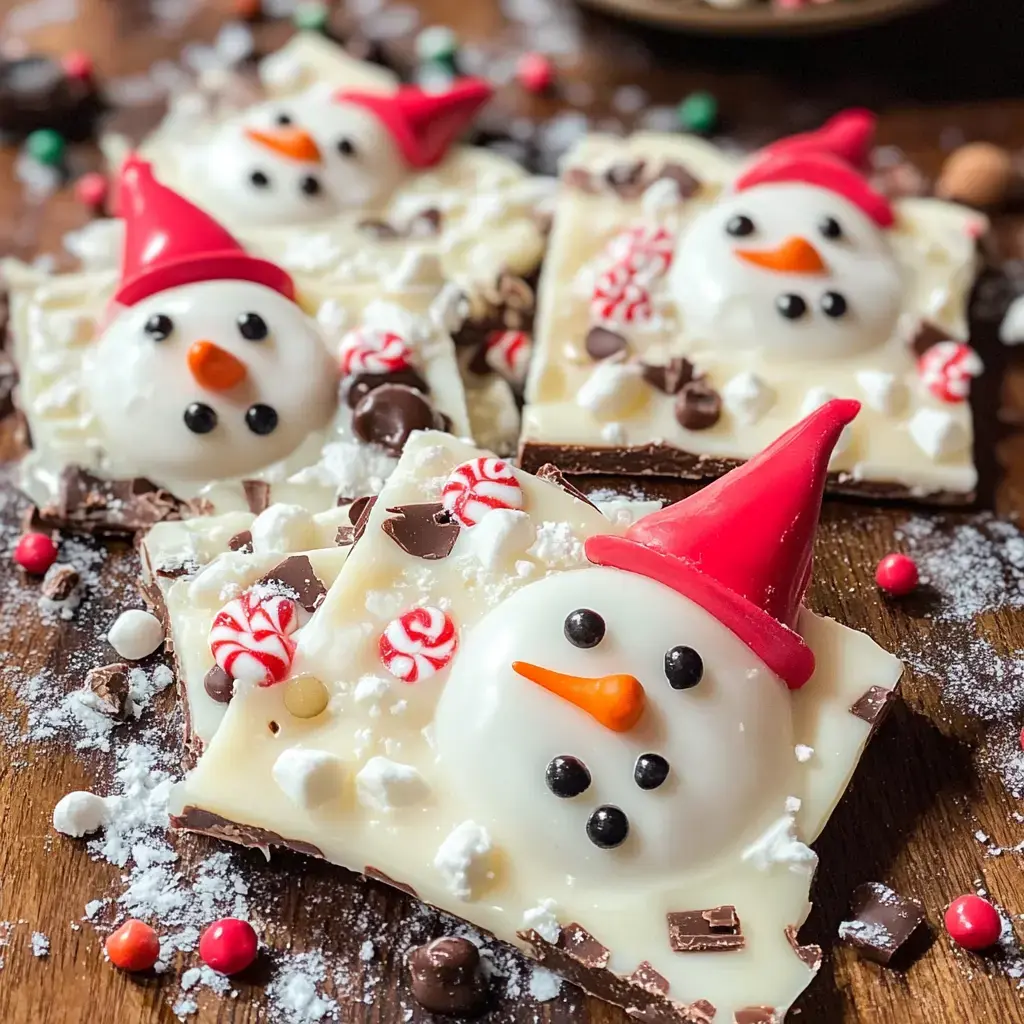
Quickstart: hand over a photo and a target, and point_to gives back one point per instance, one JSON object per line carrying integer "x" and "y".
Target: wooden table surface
{"x": 952, "y": 72}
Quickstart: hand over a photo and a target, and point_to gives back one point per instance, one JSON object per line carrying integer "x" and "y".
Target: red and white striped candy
{"x": 645, "y": 249}
{"x": 417, "y": 644}
{"x": 508, "y": 353}
{"x": 619, "y": 298}
{"x": 478, "y": 487}
{"x": 946, "y": 370}
{"x": 250, "y": 638}
{"x": 369, "y": 350}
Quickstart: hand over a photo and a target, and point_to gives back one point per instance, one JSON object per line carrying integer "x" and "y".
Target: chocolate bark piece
{"x": 295, "y": 574}
{"x": 809, "y": 955}
{"x": 447, "y": 977}
{"x": 379, "y": 876}
{"x": 554, "y": 475}
{"x": 389, "y": 414}
{"x": 219, "y": 685}
{"x": 257, "y": 495}
{"x": 241, "y": 542}
{"x": 705, "y": 931}
{"x": 360, "y": 385}
{"x": 602, "y": 343}
{"x": 60, "y": 582}
{"x": 671, "y": 377}
{"x": 698, "y": 406}
{"x": 927, "y": 335}
{"x": 196, "y": 819}
{"x": 36, "y": 93}
{"x": 881, "y": 921}
{"x": 424, "y": 531}
{"x": 110, "y": 685}
{"x": 873, "y": 705}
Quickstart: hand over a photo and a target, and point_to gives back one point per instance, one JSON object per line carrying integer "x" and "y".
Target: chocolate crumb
{"x": 602, "y": 343}
{"x": 110, "y": 685}
{"x": 424, "y": 530}
{"x": 550, "y": 472}
{"x": 645, "y": 976}
{"x": 257, "y": 494}
{"x": 361, "y": 517}
{"x": 756, "y": 1015}
{"x": 447, "y": 977}
{"x": 389, "y": 414}
{"x": 361, "y": 384}
{"x": 882, "y": 921}
{"x": 219, "y": 685}
{"x": 927, "y": 335}
{"x": 175, "y": 570}
{"x": 698, "y": 406}
{"x": 671, "y": 377}
{"x": 705, "y": 931}
{"x": 810, "y": 955}
{"x": 60, "y": 582}
{"x": 345, "y": 537}
{"x": 873, "y": 705}
{"x": 296, "y": 575}
{"x": 241, "y": 542}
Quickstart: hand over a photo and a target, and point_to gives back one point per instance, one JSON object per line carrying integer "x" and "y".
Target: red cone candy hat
{"x": 833, "y": 158}
{"x": 741, "y": 548}
{"x": 423, "y": 124}
{"x": 168, "y": 242}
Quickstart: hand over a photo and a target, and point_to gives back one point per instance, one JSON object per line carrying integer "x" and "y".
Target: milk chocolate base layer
{"x": 663, "y": 460}
{"x": 195, "y": 819}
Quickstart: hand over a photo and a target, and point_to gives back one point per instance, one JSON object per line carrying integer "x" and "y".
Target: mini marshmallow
{"x": 611, "y": 390}
{"x": 135, "y": 634}
{"x": 882, "y": 391}
{"x": 747, "y": 397}
{"x": 780, "y": 845}
{"x": 79, "y": 814}
{"x": 937, "y": 434}
{"x": 308, "y": 777}
{"x": 369, "y": 689}
{"x": 1011, "y": 330}
{"x": 466, "y": 844}
{"x": 383, "y": 785}
{"x": 543, "y": 920}
{"x": 283, "y": 528}
{"x": 501, "y": 536}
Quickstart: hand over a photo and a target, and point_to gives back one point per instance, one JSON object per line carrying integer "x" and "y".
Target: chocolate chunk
{"x": 390, "y": 413}
{"x": 425, "y": 223}
{"x": 219, "y": 685}
{"x": 810, "y": 955}
{"x": 688, "y": 184}
{"x": 359, "y": 507}
{"x": 583, "y": 947}
{"x": 671, "y": 377}
{"x": 36, "y": 93}
{"x": 603, "y": 344}
{"x": 881, "y": 921}
{"x": 705, "y": 931}
{"x": 241, "y": 542}
{"x": 60, "y": 582}
{"x": 550, "y": 472}
{"x": 361, "y": 384}
{"x": 345, "y": 537}
{"x": 645, "y": 976}
{"x": 927, "y": 335}
{"x": 756, "y": 1015}
{"x": 110, "y": 685}
{"x": 873, "y": 705}
{"x": 365, "y": 508}
{"x": 447, "y": 977}
{"x": 626, "y": 178}
{"x": 257, "y": 494}
{"x": 295, "y": 574}
{"x": 423, "y": 531}
{"x": 698, "y": 406}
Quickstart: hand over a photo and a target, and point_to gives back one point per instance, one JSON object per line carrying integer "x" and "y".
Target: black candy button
{"x": 200, "y": 418}
{"x": 252, "y": 327}
{"x": 567, "y": 776}
{"x": 159, "y": 326}
{"x": 259, "y": 179}
{"x": 833, "y": 304}
{"x": 792, "y": 307}
{"x": 584, "y": 628}
{"x": 684, "y": 667}
{"x": 830, "y": 228}
{"x": 346, "y": 147}
{"x": 310, "y": 186}
{"x": 740, "y": 226}
{"x": 651, "y": 771}
{"x": 261, "y": 419}
{"x": 607, "y": 827}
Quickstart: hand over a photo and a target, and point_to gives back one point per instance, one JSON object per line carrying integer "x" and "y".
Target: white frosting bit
{"x": 370, "y": 689}
{"x": 349, "y": 467}
{"x": 311, "y": 253}
{"x": 882, "y": 391}
{"x": 557, "y": 546}
{"x": 382, "y": 785}
{"x": 803, "y": 752}
{"x": 224, "y": 578}
{"x": 937, "y": 433}
{"x": 281, "y": 72}
{"x": 780, "y": 845}
{"x": 308, "y": 778}
{"x": 793, "y": 804}
{"x": 283, "y": 528}
{"x": 499, "y": 538}
{"x": 1011, "y": 330}
{"x": 611, "y": 389}
{"x": 747, "y": 397}
{"x": 544, "y": 985}
{"x": 79, "y": 814}
{"x": 543, "y": 920}
{"x": 457, "y": 855}
{"x": 135, "y": 634}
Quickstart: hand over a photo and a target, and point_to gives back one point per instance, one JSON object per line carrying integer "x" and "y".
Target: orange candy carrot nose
{"x": 615, "y": 701}
{"x": 293, "y": 143}
{"x": 213, "y": 368}
{"x": 795, "y": 256}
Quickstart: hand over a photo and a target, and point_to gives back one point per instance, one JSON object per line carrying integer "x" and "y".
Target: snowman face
{"x": 794, "y": 269}
{"x": 708, "y": 758}
{"x": 208, "y": 381}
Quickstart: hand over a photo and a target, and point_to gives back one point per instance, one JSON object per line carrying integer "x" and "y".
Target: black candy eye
{"x": 159, "y": 326}
{"x": 283, "y": 119}
{"x": 740, "y": 226}
{"x": 607, "y": 827}
{"x": 346, "y": 147}
{"x": 200, "y": 418}
{"x": 310, "y": 186}
{"x": 252, "y": 327}
{"x": 830, "y": 228}
{"x": 584, "y": 628}
{"x": 792, "y": 307}
{"x": 833, "y": 304}
{"x": 650, "y": 771}
{"x": 261, "y": 419}
{"x": 567, "y": 776}
{"x": 259, "y": 179}
{"x": 684, "y": 667}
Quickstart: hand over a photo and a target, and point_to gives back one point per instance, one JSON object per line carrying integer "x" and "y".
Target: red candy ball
{"x": 973, "y": 922}
{"x": 229, "y": 945}
{"x": 134, "y": 946}
{"x": 91, "y": 190}
{"x": 534, "y": 72}
{"x": 897, "y": 574}
{"x": 35, "y": 553}
{"x": 77, "y": 64}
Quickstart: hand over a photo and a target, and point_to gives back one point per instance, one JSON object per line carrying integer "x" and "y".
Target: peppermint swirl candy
{"x": 946, "y": 370}
{"x": 250, "y": 638}
{"x": 480, "y": 486}
{"x": 508, "y": 353}
{"x": 417, "y": 644}
{"x": 370, "y": 350}
{"x": 619, "y": 298}
{"x": 643, "y": 249}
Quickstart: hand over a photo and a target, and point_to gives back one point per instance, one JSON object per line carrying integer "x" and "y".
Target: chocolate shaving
{"x": 810, "y": 955}
{"x": 296, "y": 575}
{"x": 626, "y": 178}
{"x": 698, "y": 406}
{"x": 241, "y": 542}
{"x": 550, "y": 472}
{"x": 361, "y": 384}
{"x": 705, "y": 931}
{"x": 345, "y": 537}
{"x": 671, "y": 377}
{"x": 629, "y": 179}
{"x": 359, "y": 518}
{"x": 447, "y": 977}
{"x": 602, "y": 343}
{"x": 109, "y": 683}
{"x": 175, "y": 570}
{"x": 60, "y": 582}
{"x": 257, "y": 494}
{"x": 756, "y": 1015}
{"x": 927, "y": 335}
{"x": 219, "y": 685}
{"x": 424, "y": 531}
{"x": 688, "y": 184}
{"x": 196, "y": 819}
{"x": 873, "y": 705}
{"x": 882, "y": 921}
{"x": 645, "y": 976}
{"x": 379, "y": 876}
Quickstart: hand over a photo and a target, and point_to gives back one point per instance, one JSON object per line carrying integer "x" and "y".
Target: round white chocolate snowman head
{"x": 288, "y": 162}
{"x": 208, "y": 381}
{"x": 793, "y": 269}
{"x": 692, "y": 778}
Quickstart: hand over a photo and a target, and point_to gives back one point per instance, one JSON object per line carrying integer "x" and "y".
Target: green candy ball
{"x": 310, "y": 16}
{"x": 698, "y": 112}
{"x": 437, "y": 45}
{"x": 45, "y": 146}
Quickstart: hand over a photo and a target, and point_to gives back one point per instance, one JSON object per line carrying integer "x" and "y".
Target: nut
{"x": 979, "y": 174}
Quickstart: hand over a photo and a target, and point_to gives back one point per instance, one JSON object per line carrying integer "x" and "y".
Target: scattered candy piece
{"x": 698, "y": 112}
{"x": 437, "y": 44}
{"x": 972, "y": 922}
{"x": 250, "y": 638}
{"x": 77, "y": 64}
{"x": 947, "y": 369}
{"x": 134, "y": 946}
{"x": 35, "y": 553}
{"x": 417, "y": 644}
{"x": 476, "y": 487}
{"x": 508, "y": 353}
{"x": 448, "y": 977}
{"x": 45, "y": 146}
{"x": 618, "y": 298}
{"x": 369, "y": 350}
{"x": 310, "y": 16}
{"x": 978, "y": 174}
{"x": 229, "y": 945}
{"x": 897, "y": 574}
{"x": 135, "y": 634}
{"x": 91, "y": 190}
{"x": 881, "y": 921}
{"x": 643, "y": 249}
{"x": 535, "y": 72}
{"x": 79, "y": 814}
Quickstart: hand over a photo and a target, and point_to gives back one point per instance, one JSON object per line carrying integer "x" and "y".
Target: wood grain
{"x": 916, "y": 801}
